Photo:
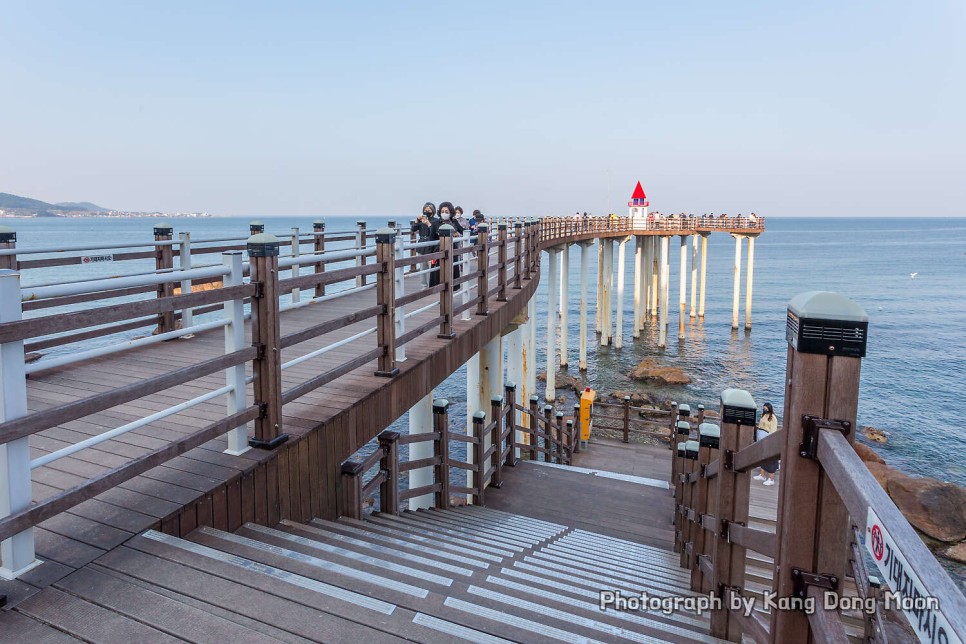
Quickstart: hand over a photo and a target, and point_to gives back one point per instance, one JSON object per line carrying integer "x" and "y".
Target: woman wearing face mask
{"x": 446, "y": 217}
{"x": 424, "y": 233}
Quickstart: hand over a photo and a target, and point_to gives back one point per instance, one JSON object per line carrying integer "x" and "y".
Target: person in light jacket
{"x": 768, "y": 424}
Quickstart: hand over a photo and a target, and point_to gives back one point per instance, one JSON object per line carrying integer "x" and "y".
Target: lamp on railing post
{"x": 256, "y": 227}
{"x": 534, "y": 425}
{"x": 501, "y": 258}
{"x": 386, "y": 298}
{"x": 479, "y": 424}
{"x": 738, "y": 416}
{"x": 8, "y": 241}
{"x": 389, "y": 464}
{"x": 496, "y": 441}
{"x": 164, "y": 261}
{"x": 483, "y": 261}
{"x": 267, "y": 367}
{"x": 16, "y": 552}
{"x": 510, "y": 394}
{"x": 446, "y": 279}
{"x": 708, "y": 437}
{"x": 441, "y": 451}
{"x": 517, "y": 255}
{"x": 318, "y": 247}
{"x": 235, "y": 341}
{"x": 821, "y": 394}
{"x": 360, "y": 245}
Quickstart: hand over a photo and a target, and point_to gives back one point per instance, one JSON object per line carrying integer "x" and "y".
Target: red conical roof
{"x": 638, "y": 192}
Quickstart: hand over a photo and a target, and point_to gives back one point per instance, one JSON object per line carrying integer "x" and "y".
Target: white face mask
{"x": 446, "y": 215}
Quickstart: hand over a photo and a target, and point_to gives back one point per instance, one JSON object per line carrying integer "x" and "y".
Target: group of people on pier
{"x": 427, "y": 229}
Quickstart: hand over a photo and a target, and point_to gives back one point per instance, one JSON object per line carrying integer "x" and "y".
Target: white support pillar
{"x": 491, "y": 381}
{"x": 552, "y": 284}
{"x": 564, "y": 305}
{"x": 638, "y": 261}
{"x": 694, "y": 276}
{"x": 530, "y": 365}
{"x": 621, "y": 260}
{"x": 611, "y": 292}
{"x": 606, "y": 270}
{"x": 749, "y": 280}
{"x": 516, "y": 356}
{"x": 704, "y": 273}
{"x": 235, "y": 341}
{"x": 421, "y": 422}
{"x": 683, "y": 287}
{"x": 662, "y": 304}
{"x": 656, "y": 268}
{"x": 473, "y": 401}
{"x": 17, "y": 554}
{"x": 584, "y": 265}
{"x": 648, "y": 270}
{"x": 598, "y": 309}
{"x": 737, "y": 289}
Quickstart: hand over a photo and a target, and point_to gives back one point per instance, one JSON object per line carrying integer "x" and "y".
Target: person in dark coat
{"x": 424, "y": 233}
{"x": 446, "y": 211}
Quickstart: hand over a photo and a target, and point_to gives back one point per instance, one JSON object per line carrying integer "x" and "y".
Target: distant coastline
{"x": 117, "y": 214}
{"x": 17, "y": 207}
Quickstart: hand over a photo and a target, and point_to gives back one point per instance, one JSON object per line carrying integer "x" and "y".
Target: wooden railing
{"x": 829, "y": 504}
{"x": 632, "y": 419}
{"x": 499, "y": 438}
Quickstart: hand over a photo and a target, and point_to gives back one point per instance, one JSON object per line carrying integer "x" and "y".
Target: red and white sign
{"x": 96, "y": 259}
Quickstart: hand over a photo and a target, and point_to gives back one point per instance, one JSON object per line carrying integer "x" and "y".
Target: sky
{"x": 825, "y": 108}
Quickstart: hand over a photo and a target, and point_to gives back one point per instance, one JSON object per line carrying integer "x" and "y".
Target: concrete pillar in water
{"x": 648, "y": 275}
{"x": 621, "y": 257}
{"x": 663, "y": 290}
{"x": 607, "y": 274}
{"x": 598, "y": 309}
{"x": 737, "y": 290}
{"x": 704, "y": 272}
{"x": 611, "y": 292}
{"x": 638, "y": 261}
{"x": 552, "y": 284}
{"x": 530, "y": 366}
{"x": 515, "y": 358}
{"x": 564, "y": 306}
{"x": 584, "y": 265}
{"x": 421, "y": 422}
{"x": 694, "y": 276}
{"x": 474, "y": 403}
{"x": 749, "y": 279}
{"x": 683, "y": 287}
{"x": 655, "y": 277}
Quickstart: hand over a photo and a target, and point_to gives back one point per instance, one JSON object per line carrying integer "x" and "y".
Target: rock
{"x": 649, "y": 369}
{"x": 881, "y": 472}
{"x": 867, "y": 455}
{"x": 934, "y": 507}
{"x": 563, "y": 381}
{"x": 875, "y": 435}
{"x": 956, "y": 553}
{"x": 638, "y": 398}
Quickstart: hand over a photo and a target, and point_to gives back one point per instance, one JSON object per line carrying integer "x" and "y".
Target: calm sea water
{"x": 913, "y": 377}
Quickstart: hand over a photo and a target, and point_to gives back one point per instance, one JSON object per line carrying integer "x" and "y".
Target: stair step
{"x": 524, "y": 624}
{"x": 632, "y": 583}
{"x": 458, "y": 630}
{"x": 585, "y": 559}
{"x": 492, "y": 533}
{"x": 375, "y": 527}
{"x": 461, "y": 535}
{"x": 597, "y": 553}
{"x": 536, "y": 525}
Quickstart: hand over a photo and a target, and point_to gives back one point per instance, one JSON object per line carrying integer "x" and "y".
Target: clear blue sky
{"x": 784, "y": 108}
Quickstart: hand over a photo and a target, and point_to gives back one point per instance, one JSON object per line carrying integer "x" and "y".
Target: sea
{"x": 909, "y": 274}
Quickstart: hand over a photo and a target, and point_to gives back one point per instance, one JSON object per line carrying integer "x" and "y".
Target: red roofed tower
{"x": 638, "y": 203}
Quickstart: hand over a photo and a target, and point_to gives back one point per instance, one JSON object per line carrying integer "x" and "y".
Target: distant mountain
{"x": 14, "y": 202}
{"x": 81, "y": 205}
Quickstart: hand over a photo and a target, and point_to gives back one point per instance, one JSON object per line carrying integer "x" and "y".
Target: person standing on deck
{"x": 445, "y": 217}
{"x": 424, "y": 233}
{"x": 476, "y": 221}
{"x": 768, "y": 424}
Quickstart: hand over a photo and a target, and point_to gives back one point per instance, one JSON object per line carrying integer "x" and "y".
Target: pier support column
{"x": 611, "y": 293}
{"x": 683, "y": 287}
{"x": 648, "y": 263}
{"x": 584, "y": 265}
{"x": 619, "y": 330}
{"x": 421, "y": 422}
{"x": 737, "y": 289}
{"x": 607, "y": 274}
{"x": 749, "y": 280}
{"x": 704, "y": 272}
{"x": 530, "y": 364}
{"x": 663, "y": 289}
{"x": 694, "y": 276}
{"x": 552, "y": 284}
{"x": 515, "y": 357}
{"x": 564, "y": 307}
{"x": 638, "y": 264}
{"x": 598, "y": 309}
{"x": 656, "y": 265}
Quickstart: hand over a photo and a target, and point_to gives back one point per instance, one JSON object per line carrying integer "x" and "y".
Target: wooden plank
{"x": 248, "y": 497}
{"x": 234, "y": 504}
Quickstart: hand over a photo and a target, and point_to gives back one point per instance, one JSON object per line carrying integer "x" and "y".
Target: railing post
{"x": 441, "y": 451}
{"x": 386, "y": 298}
{"x": 548, "y": 442}
{"x": 731, "y": 491}
{"x": 267, "y": 367}
{"x": 700, "y": 419}
{"x": 687, "y": 503}
{"x": 822, "y": 383}
{"x": 483, "y": 265}
{"x": 352, "y": 484}
{"x": 17, "y": 552}
{"x": 569, "y": 452}
{"x": 360, "y": 245}
{"x": 510, "y": 395}
{"x": 708, "y": 437}
{"x": 318, "y": 247}
{"x": 8, "y": 241}
{"x": 389, "y": 489}
{"x": 479, "y": 466}
{"x": 517, "y": 255}
{"x": 677, "y": 466}
{"x": 184, "y": 263}
{"x": 164, "y": 261}
{"x": 501, "y": 271}
{"x": 235, "y": 341}
{"x": 446, "y": 279}
{"x": 527, "y": 239}
{"x": 496, "y": 441}
{"x": 559, "y": 439}
{"x": 627, "y": 419}
{"x": 256, "y": 227}
{"x": 672, "y": 427}
{"x": 296, "y": 293}
{"x": 578, "y": 431}
{"x": 534, "y": 426}
{"x": 400, "y": 280}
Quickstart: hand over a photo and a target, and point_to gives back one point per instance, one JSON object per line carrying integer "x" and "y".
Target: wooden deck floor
{"x": 205, "y": 486}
